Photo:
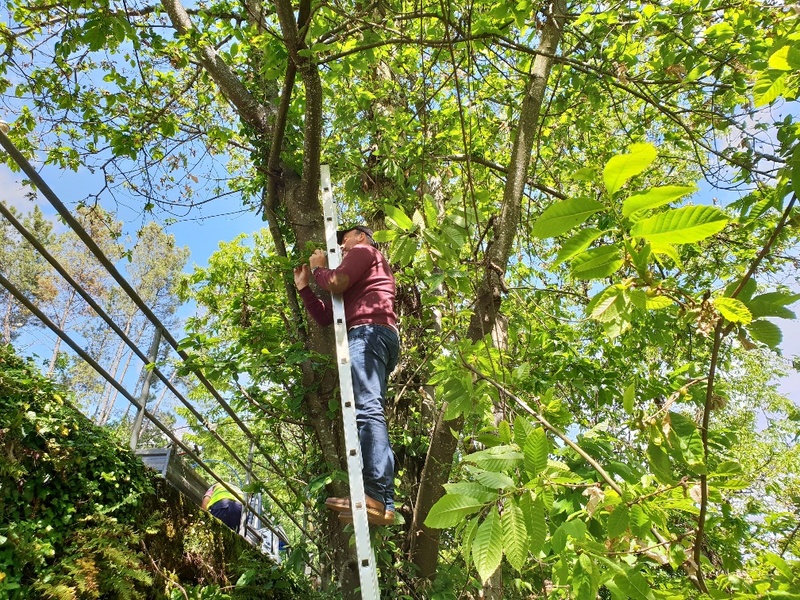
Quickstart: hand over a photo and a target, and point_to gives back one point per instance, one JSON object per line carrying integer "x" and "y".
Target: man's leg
{"x": 373, "y": 355}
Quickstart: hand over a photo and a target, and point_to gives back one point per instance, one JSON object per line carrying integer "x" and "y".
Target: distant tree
{"x": 66, "y": 309}
{"x": 26, "y": 269}
{"x": 153, "y": 270}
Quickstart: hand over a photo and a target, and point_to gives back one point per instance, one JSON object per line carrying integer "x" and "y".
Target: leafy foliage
{"x": 69, "y": 496}
{"x": 577, "y": 314}
{"x": 81, "y": 518}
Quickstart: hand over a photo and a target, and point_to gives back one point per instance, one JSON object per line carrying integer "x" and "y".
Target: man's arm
{"x": 206, "y": 498}
{"x": 334, "y": 280}
{"x": 354, "y": 265}
{"x": 321, "y": 312}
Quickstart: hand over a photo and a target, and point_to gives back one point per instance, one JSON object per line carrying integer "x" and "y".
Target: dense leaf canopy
{"x": 591, "y": 212}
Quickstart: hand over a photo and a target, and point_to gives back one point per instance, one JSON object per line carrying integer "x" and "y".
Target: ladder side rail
{"x": 367, "y": 569}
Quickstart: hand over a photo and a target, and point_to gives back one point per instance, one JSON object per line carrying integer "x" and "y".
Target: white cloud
{"x": 13, "y": 193}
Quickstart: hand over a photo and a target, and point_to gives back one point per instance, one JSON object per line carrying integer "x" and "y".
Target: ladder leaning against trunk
{"x": 367, "y": 569}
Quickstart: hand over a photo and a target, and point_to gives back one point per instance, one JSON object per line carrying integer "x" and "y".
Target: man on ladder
{"x": 365, "y": 281}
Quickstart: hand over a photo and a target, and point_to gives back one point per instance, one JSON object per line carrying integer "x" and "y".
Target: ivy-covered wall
{"x": 81, "y": 517}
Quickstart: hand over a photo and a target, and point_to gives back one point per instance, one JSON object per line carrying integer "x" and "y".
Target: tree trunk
{"x": 7, "y": 320}
{"x": 304, "y": 216}
{"x": 61, "y": 322}
{"x": 425, "y": 541}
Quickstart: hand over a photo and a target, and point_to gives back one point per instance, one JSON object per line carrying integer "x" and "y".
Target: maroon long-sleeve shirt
{"x": 369, "y": 297}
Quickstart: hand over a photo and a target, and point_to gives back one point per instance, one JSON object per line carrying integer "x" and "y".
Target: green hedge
{"x": 81, "y": 517}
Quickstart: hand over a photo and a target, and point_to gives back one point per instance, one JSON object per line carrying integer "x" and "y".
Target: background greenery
{"x": 81, "y": 517}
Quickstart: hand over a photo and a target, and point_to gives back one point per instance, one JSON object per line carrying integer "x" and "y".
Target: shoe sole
{"x": 343, "y": 504}
{"x": 373, "y": 517}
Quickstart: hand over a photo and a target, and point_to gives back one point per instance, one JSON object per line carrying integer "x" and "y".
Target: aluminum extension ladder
{"x": 367, "y": 570}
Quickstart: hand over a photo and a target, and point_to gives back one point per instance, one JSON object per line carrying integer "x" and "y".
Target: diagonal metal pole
{"x": 367, "y": 570}
{"x": 147, "y": 376}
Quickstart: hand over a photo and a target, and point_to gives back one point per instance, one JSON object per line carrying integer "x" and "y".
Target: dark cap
{"x": 362, "y": 228}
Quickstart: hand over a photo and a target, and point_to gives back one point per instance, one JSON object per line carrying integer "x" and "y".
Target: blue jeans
{"x": 228, "y": 511}
{"x": 374, "y": 351}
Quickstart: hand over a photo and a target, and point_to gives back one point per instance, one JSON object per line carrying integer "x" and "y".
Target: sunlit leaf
{"x": 733, "y": 310}
{"x": 768, "y": 87}
{"x": 658, "y": 302}
{"x": 765, "y": 332}
{"x": 563, "y": 216}
{"x": 498, "y": 458}
{"x": 504, "y": 431}
{"x": 596, "y": 263}
{"x": 575, "y": 530}
{"x": 666, "y": 249}
{"x": 628, "y": 397}
{"x": 745, "y": 293}
{"x": 619, "y": 169}
{"x": 398, "y": 217}
{"x": 639, "y": 522}
{"x": 534, "y": 514}
{"x": 634, "y": 585}
{"x": 450, "y": 510}
{"x": 403, "y": 249}
{"x": 537, "y": 449}
{"x": 577, "y": 244}
{"x": 659, "y": 462}
{"x": 681, "y": 225}
{"x": 608, "y": 305}
{"x": 385, "y": 235}
{"x": 618, "y": 521}
{"x": 472, "y": 490}
{"x": 655, "y": 197}
{"x": 522, "y": 429}
{"x": 584, "y": 174}
{"x": 688, "y": 447}
{"x": 487, "y": 548}
{"x": 773, "y": 304}
{"x": 786, "y": 58}
{"x": 469, "y": 536}
{"x": 640, "y": 258}
{"x": 492, "y": 480}
{"x": 584, "y": 579}
{"x": 515, "y": 534}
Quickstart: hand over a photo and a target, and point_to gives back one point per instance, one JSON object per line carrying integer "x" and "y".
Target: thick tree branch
{"x": 251, "y": 110}
{"x": 424, "y": 540}
{"x": 720, "y": 332}
{"x": 501, "y": 169}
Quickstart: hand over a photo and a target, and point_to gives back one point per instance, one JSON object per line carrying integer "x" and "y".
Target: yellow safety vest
{"x": 220, "y": 493}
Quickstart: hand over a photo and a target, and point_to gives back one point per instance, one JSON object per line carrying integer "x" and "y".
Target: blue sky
{"x": 202, "y": 235}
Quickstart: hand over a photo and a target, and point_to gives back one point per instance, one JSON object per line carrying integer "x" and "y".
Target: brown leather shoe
{"x": 343, "y": 504}
{"x": 374, "y": 517}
